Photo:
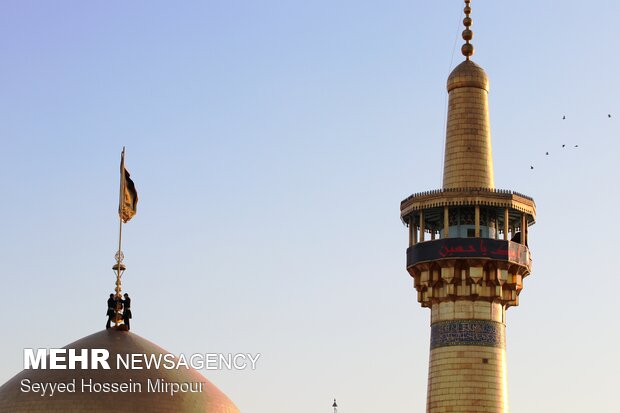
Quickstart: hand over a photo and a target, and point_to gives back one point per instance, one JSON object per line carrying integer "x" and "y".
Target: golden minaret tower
{"x": 468, "y": 253}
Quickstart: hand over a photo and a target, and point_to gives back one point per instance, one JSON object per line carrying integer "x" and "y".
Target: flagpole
{"x": 119, "y": 255}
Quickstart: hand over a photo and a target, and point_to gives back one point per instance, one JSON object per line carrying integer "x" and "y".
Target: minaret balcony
{"x": 492, "y": 197}
{"x": 499, "y": 217}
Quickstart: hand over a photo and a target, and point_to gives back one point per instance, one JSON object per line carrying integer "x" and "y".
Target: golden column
{"x": 471, "y": 267}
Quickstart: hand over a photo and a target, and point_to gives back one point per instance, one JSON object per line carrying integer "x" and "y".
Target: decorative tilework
{"x": 468, "y": 333}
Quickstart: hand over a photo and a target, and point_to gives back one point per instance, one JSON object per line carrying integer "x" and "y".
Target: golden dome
{"x": 210, "y": 400}
{"x": 468, "y": 74}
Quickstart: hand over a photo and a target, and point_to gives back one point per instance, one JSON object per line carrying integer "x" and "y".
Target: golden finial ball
{"x": 467, "y": 21}
{"x": 467, "y": 10}
{"x": 467, "y": 50}
{"x": 468, "y": 34}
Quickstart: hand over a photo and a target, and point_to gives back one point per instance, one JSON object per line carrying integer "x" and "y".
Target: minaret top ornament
{"x": 467, "y": 49}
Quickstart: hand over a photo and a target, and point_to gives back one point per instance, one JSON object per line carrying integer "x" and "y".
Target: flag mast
{"x": 127, "y": 206}
{"x": 119, "y": 267}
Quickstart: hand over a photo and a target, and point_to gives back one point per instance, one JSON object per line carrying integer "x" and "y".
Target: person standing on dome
{"x": 111, "y": 310}
{"x": 126, "y": 309}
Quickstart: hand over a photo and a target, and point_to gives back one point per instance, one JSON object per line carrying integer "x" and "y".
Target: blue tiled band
{"x": 468, "y": 333}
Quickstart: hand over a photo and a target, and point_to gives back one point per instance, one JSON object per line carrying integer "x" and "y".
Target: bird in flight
{"x": 609, "y": 115}
{"x": 547, "y": 153}
{"x": 563, "y": 117}
{"x": 563, "y": 145}
{"x": 531, "y": 167}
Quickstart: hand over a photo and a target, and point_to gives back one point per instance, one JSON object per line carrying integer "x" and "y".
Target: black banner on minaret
{"x": 450, "y": 248}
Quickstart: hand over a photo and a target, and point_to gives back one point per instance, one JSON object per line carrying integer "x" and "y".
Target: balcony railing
{"x": 453, "y": 190}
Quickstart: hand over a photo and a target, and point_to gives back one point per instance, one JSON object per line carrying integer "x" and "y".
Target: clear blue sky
{"x": 271, "y": 143}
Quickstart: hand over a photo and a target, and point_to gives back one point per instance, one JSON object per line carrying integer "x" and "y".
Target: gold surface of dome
{"x": 210, "y": 400}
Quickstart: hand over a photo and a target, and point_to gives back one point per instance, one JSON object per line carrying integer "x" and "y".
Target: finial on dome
{"x": 467, "y": 49}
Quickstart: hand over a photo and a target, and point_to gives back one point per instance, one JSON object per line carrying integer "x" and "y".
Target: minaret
{"x": 468, "y": 253}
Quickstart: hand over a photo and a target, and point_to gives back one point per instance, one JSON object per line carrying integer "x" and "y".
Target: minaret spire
{"x": 468, "y": 160}
{"x": 335, "y": 406}
{"x": 467, "y": 49}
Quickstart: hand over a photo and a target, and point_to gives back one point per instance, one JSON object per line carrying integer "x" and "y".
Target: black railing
{"x": 453, "y": 190}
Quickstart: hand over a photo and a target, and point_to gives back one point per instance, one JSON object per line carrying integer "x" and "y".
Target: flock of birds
{"x": 564, "y": 145}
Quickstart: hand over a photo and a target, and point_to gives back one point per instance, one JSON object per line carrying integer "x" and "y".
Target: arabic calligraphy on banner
{"x": 469, "y": 248}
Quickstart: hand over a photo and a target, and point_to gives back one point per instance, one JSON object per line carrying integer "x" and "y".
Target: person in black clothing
{"x": 126, "y": 310}
{"x": 111, "y": 310}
